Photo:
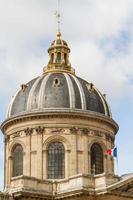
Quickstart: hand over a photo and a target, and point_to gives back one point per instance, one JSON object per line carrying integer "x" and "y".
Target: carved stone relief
{"x": 57, "y": 130}
{"x": 85, "y": 131}
{"x": 73, "y": 130}
{"x": 6, "y": 138}
{"x": 17, "y": 134}
{"x": 28, "y": 131}
{"x": 40, "y": 129}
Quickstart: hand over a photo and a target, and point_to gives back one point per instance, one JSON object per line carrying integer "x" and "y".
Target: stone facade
{"x": 77, "y": 133}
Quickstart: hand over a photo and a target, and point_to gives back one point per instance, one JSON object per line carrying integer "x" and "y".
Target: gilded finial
{"x": 58, "y": 35}
{"x": 59, "y": 52}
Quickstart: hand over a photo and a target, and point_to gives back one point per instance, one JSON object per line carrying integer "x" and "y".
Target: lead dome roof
{"x": 58, "y": 89}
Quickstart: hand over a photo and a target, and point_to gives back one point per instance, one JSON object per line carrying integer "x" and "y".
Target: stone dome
{"x": 58, "y": 89}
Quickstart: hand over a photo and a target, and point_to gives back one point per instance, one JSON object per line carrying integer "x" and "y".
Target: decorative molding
{"x": 73, "y": 130}
{"x": 80, "y": 151}
{"x": 109, "y": 137}
{"x": 33, "y": 152}
{"x": 85, "y": 131}
{"x": 98, "y": 133}
{"x": 128, "y": 189}
{"x": 68, "y": 150}
{"x": 40, "y": 129}
{"x": 63, "y": 114}
{"x": 56, "y": 130}
{"x": 91, "y": 133}
{"x": 28, "y": 131}
{"x": 90, "y": 87}
{"x": 125, "y": 190}
{"x": 7, "y": 138}
{"x": 17, "y": 134}
{"x": 10, "y": 157}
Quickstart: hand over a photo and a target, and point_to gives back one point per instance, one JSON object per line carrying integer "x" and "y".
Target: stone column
{"x": 74, "y": 164}
{"x": 44, "y": 157}
{"x": 86, "y": 154}
{"x": 27, "y": 157}
{"x": 6, "y": 161}
{"x": 9, "y": 174}
{"x": 39, "y": 131}
{"x": 67, "y": 163}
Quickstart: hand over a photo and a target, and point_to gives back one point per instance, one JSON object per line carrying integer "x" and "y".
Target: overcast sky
{"x": 100, "y": 35}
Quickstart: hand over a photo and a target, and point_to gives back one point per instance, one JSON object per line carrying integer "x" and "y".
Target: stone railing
{"x": 30, "y": 184}
{"x": 5, "y": 197}
{"x": 50, "y": 187}
{"x": 77, "y": 183}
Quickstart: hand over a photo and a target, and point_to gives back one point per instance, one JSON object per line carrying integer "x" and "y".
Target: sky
{"x": 100, "y": 35}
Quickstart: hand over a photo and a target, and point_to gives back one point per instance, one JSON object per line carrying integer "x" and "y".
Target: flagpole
{"x": 117, "y": 163}
{"x": 114, "y": 154}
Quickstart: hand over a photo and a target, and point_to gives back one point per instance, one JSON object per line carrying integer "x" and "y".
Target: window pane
{"x": 17, "y": 155}
{"x": 58, "y": 57}
{"x": 96, "y": 159}
{"x": 56, "y": 159}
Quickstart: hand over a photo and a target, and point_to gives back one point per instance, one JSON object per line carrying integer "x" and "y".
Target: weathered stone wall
{"x": 75, "y": 132}
{"x": 5, "y": 197}
{"x": 80, "y": 197}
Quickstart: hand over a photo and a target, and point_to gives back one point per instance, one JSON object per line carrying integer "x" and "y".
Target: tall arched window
{"x": 56, "y": 160}
{"x": 96, "y": 159}
{"x": 52, "y": 58}
{"x": 17, "y": 158}
{"x": 65, "y": 58}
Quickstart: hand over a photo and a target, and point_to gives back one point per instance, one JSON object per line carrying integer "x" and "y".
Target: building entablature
{"x": 85, "y": 118}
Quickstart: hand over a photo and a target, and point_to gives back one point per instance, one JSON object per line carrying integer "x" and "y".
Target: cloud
{"x": 27, "y": 29}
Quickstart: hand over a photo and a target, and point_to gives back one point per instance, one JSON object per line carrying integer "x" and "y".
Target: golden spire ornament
{"x": 59, "y": 52}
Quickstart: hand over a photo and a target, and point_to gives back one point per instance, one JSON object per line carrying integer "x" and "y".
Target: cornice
{"x": 60, "y": 113}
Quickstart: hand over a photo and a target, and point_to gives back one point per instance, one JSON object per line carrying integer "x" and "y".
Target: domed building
{"x": 57, "y": 132}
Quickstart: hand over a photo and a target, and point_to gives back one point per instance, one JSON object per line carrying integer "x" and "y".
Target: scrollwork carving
{"x": 7, "y": 138}
{"x": 57, "y": 130}
{"x": 98, "y": 133}
{"x": 73, "y": 130}
{"x": 28, "y": 131}
{"x": 85, "y": 131}
{"x": 110, "y": 138}
{"x": 40, "y": 129}
{"x": 17, "y": 134}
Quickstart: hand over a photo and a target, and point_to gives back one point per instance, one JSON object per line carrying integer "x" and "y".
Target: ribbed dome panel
{"x": 57, "y": 90}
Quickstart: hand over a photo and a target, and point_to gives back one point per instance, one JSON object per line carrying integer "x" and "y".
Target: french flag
{"x": 112, "y": 152}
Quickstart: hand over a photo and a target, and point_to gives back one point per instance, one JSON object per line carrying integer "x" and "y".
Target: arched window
{"x": 96, "y": 159}
{"x": 65, "y": 58}
{"x": 17, "y": 158}
{"x": 56, "y": 160}
{"x": 58, "y": 57}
